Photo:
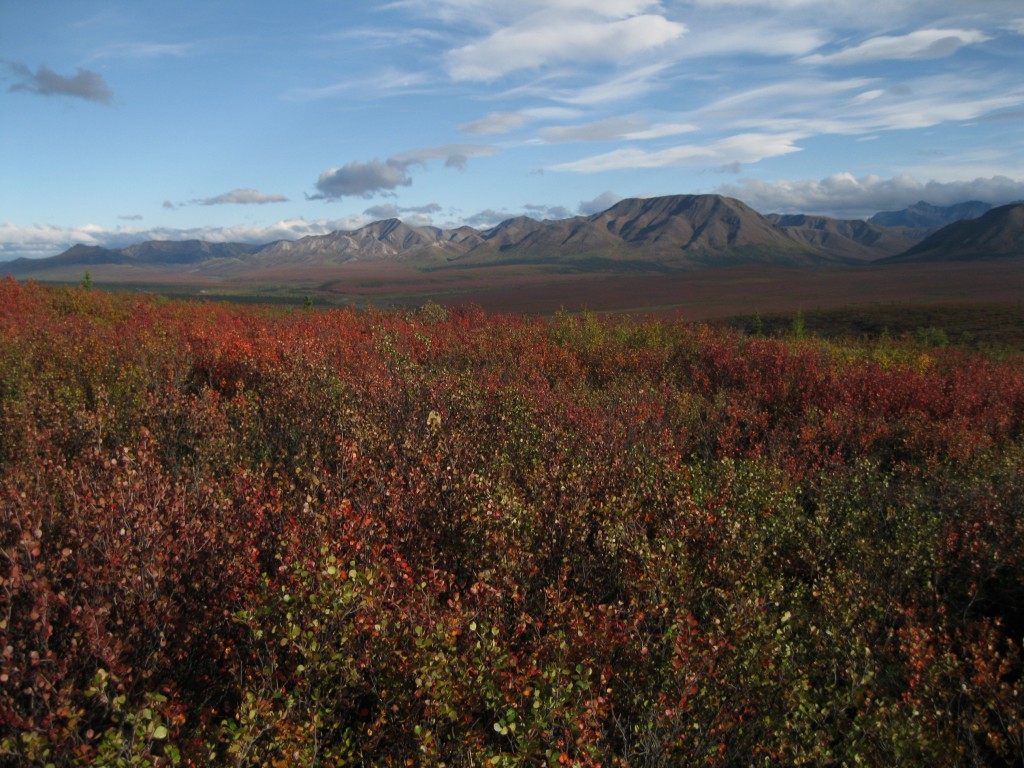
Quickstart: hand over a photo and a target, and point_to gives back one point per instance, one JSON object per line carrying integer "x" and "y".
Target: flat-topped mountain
{"x": 705, "y": 228}
{"x": 683, "y": 231}
{"x": 995, "y": 235}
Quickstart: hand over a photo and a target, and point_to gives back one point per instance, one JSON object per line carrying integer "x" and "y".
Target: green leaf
{"x": 160, "y": 732}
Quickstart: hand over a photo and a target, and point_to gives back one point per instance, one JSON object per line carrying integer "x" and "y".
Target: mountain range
{"x": 678, "y": 232}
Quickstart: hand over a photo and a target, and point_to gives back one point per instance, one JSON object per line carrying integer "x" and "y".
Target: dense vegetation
{"x": 244, "y": 536}
{"x": 995, "y": 328}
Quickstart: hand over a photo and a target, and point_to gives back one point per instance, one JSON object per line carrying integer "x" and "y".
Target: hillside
{"x": 847, "y": 238}
{"x": 381, "y": 240}
{"x": 997, "y": 234}
{"x": 149, "y": 253}
{"x": 704, "y": 230}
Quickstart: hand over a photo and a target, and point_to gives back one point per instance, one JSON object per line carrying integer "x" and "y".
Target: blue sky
{"x": 256, "y": 120}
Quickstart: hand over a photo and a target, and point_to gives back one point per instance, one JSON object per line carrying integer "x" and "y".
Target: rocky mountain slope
{"x": 846, "y": 238}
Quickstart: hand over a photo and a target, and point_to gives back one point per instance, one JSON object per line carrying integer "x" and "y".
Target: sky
{"x": 258, "y": 120}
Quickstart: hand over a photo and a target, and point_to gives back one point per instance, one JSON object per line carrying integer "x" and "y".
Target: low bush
{"x": 257, "y": 537}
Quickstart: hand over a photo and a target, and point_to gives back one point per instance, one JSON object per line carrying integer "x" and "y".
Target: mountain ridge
{"x": 670, "y": 232}
{"x": 997, "y": 234}
{"x": 927, "y": 217}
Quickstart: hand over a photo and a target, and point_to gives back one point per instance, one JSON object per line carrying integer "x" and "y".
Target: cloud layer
{"x": 843, "y": 194}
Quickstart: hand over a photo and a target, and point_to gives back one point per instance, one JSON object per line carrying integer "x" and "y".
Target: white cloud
{"x": 742, "y": 148}
{"x": 767, "y": 38}
{"x": 501, "y": 12}
{"x": 843, "y": 194}
{"x": 551, "y": 36}
{"x": 920, "y": 44}
{"x": 602, "y": 202}
{"x": 866, "y": 96}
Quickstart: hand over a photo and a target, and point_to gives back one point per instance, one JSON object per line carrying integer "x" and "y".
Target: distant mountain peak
{"x": 922, "y": 215}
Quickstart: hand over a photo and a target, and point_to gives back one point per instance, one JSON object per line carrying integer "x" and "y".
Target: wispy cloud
{"x": 495, "y": 122}
{"x": 454, "y": 155}
{"x": 85, "y": 84}
{"x": 920, "y": 44}
{"x": 843, "y": 194}
{"x": 386, "y": 82}
{"x": 551, "y": 36}
{"x": 631, "y": 85}
{"x": 143, "y": 50}
{"x": 614, "y": 129}
{"x": 769, "y": 37}
{"x": 855, "y": 106}
{"x": 742, "y": 148}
